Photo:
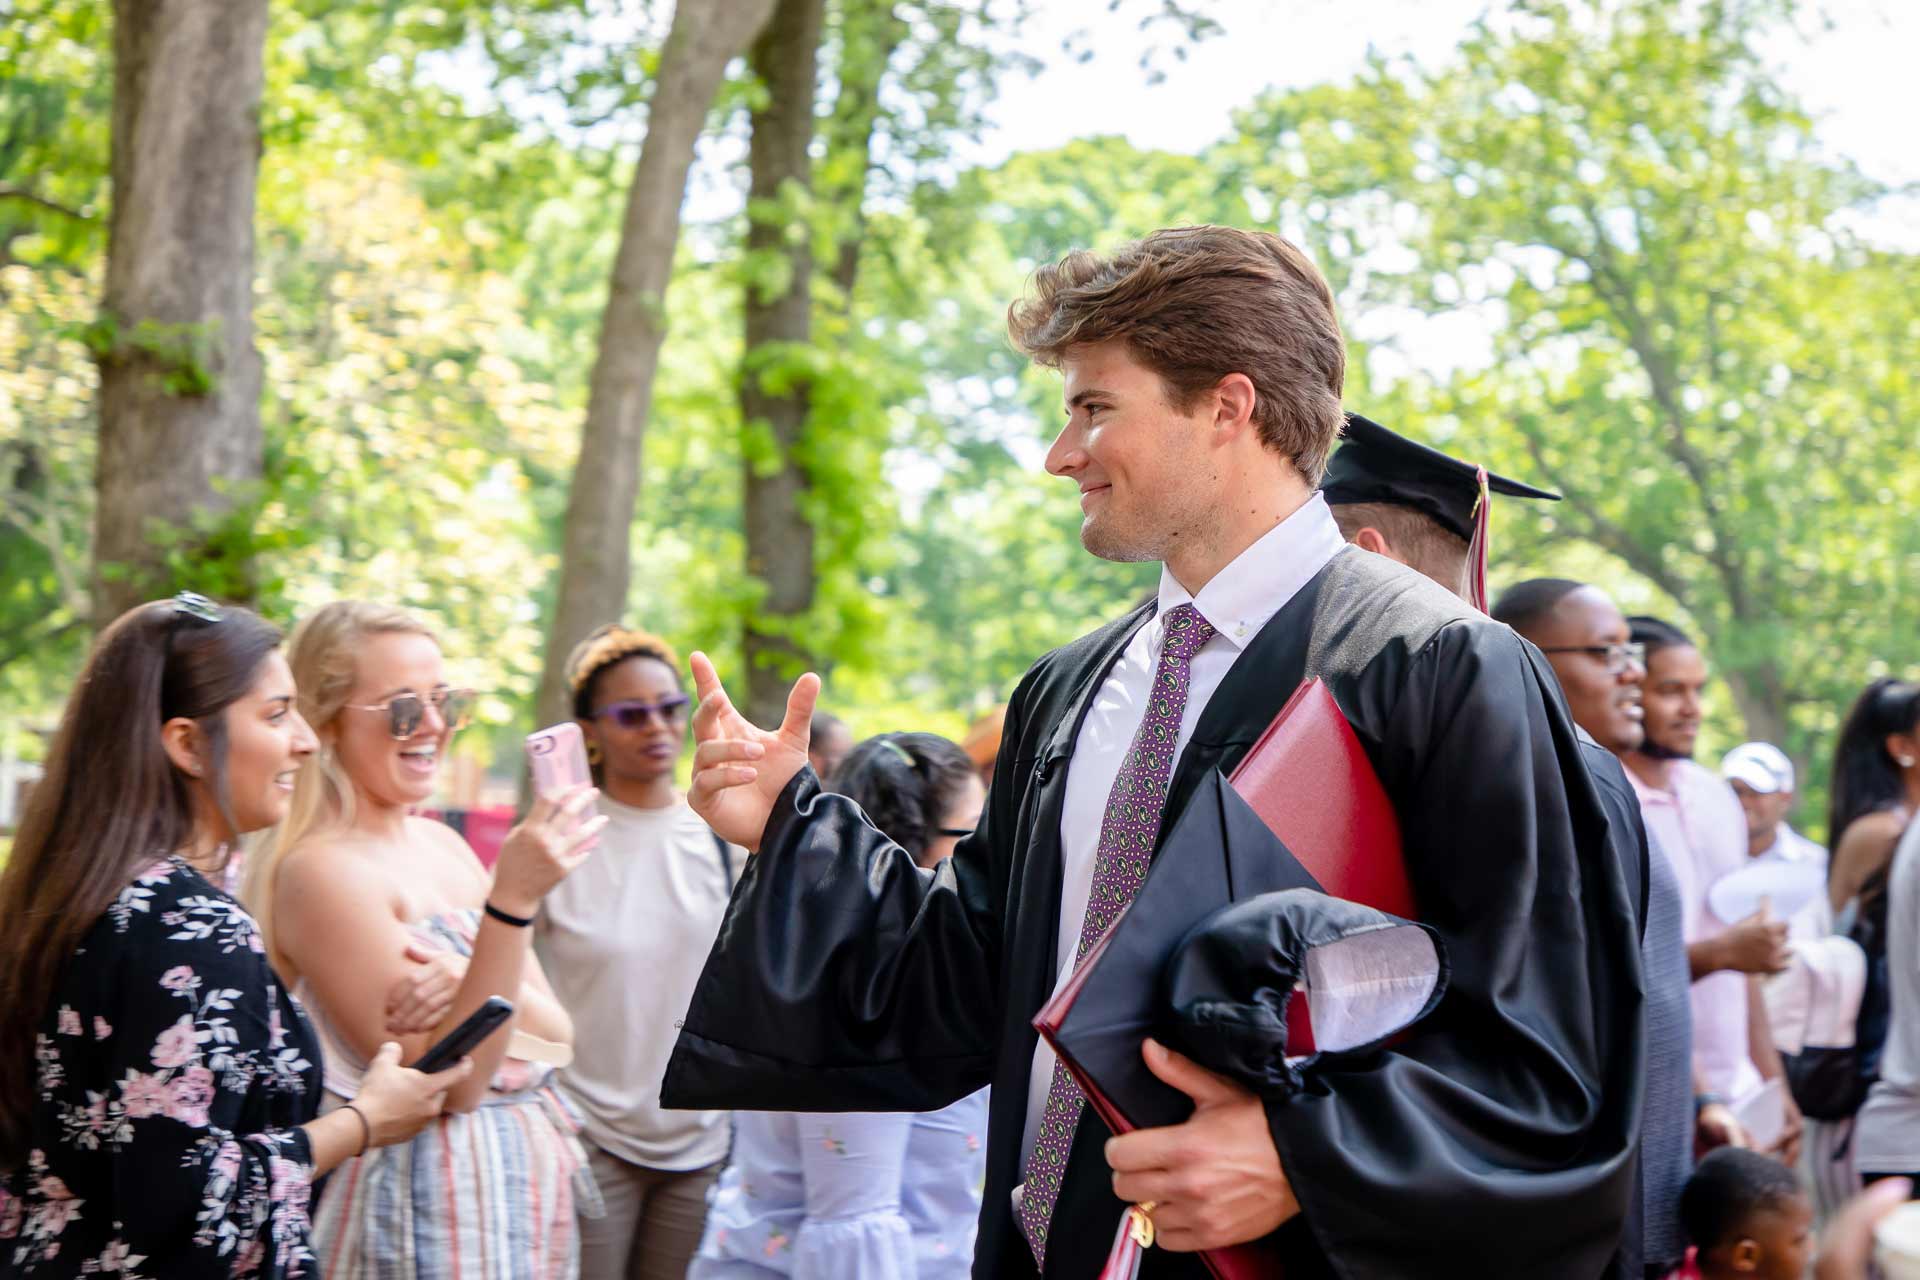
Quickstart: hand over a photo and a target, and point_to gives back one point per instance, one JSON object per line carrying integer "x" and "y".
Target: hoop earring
{"x": 593, "y": 753}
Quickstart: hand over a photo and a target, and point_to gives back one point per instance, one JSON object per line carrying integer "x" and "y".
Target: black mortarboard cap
{"x": 1374, "y": 464}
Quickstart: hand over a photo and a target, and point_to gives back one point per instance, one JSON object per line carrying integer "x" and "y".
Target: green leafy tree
{"x": 596, "y": 567}
{"x": 1689, "y": 337}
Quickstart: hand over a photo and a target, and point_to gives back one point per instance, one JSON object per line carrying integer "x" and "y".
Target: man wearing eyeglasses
{"x": 1585, "y": 638}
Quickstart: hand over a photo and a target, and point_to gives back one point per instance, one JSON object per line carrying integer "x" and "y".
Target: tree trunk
{"x": 778, "y": 321}
{"x": 1762, "y": 700}
{"x": 180, "y": 430}
{"x": 596, "y": 566}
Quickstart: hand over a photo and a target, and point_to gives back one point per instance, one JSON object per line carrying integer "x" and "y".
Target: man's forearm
{"x": 1704, "y": 957}
{"x": 1760, "y": 1033}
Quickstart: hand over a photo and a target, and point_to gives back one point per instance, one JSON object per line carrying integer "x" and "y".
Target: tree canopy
{"x": 1675, "y": 318}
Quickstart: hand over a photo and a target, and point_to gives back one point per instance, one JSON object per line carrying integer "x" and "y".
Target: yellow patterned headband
{"x": 610, "y": 644}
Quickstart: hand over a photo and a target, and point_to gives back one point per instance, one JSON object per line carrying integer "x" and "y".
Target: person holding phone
{"x": 159, "y": 1087}
{"x": 355, "y": 891}
{"x": 624, "y": 940}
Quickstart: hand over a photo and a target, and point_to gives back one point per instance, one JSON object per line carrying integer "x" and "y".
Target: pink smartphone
{"x": 558, "y": 757}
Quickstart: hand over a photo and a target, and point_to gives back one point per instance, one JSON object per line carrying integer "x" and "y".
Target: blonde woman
{"x": 355, "y": 893}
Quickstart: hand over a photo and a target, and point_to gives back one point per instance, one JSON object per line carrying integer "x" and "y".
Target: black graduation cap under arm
{"x": 1377, "y": 465}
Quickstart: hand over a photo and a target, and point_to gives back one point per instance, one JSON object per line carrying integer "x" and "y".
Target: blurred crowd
{"x": 234, "y": 946}
{"x": 1783, "y": 995}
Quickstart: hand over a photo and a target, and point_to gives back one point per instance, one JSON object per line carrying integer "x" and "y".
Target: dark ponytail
{"x": 904, "y": 781}
{"x": 1865, "y": 778}
{"x": 108, "y": 804}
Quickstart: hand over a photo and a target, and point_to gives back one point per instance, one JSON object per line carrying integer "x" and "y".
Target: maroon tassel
{"x": 1477, "y": 547}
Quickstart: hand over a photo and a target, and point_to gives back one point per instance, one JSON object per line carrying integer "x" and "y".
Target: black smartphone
{"x": 461, "y": 1041}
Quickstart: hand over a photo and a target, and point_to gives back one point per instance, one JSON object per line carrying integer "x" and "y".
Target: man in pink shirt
{"x": 1694, "y": 817}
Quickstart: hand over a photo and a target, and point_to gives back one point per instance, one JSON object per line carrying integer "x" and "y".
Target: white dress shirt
{"x": 1239, "y": 600}
{"x": 1791, "y": 847}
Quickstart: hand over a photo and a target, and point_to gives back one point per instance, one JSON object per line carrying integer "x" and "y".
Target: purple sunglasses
{"x": 631, "y": 715}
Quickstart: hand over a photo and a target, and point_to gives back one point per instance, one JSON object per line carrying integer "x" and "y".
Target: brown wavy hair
{"x": 109, "y": 803}
{"x": 1195, "y": 304}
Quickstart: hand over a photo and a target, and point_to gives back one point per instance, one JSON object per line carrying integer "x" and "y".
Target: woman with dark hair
{"x": 1876, "y": 791}
{"x": 872, "y": 1196}
{"x": 914, "y": 787}
{"x": 158, "y": 1086}
{"x": 623, "y": 940}
{"x": 1876, "y": 785}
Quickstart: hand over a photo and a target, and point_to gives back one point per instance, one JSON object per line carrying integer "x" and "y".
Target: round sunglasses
{"x": 406, "y": 711}
{"x": 631, "y": 715}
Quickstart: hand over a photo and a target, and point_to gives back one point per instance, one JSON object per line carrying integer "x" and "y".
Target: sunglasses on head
{"x": 188, "y": 606}
{"x": 406, "y": 711}
{"x": 631, "y": 715}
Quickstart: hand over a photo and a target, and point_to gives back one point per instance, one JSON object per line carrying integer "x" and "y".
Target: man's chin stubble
{"x": 1657, "y": 750}
{"x": 1116, "y": 547}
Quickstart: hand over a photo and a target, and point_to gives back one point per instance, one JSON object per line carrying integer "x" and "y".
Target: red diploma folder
{"x": 1311, "y": 782}
{"x": 1306, "y": 782}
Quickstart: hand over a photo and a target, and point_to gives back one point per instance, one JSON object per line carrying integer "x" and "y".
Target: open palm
{"x": 739, "y": 769}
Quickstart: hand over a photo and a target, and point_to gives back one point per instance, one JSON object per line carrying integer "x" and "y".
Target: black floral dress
{"x": 174, "y": 1073}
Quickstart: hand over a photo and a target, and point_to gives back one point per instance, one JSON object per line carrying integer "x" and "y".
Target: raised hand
{"x": 555, "y": 837}
{"x": 739, "y": 770}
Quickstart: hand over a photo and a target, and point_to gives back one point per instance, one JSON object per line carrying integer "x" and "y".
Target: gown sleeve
{"x": 204, "y": 1182}
{"x": 845, "y": 977}
{"x": 1501, "y": 1131}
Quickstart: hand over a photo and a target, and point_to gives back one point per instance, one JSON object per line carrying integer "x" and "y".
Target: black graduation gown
{"x": 1498, "y": 1140}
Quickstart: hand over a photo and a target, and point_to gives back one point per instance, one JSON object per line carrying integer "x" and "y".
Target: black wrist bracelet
{"x": 518, "y": 922}
{"x": 366, "y": 1130}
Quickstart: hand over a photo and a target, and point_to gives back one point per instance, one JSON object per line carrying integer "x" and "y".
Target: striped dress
{"x": 491, "y": 1194}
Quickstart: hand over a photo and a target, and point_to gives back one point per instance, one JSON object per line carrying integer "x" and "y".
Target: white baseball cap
{"x": 1760, "y": 765}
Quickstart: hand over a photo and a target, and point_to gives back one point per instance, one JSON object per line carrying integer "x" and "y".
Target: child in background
{"x": 1746, "y": 1215}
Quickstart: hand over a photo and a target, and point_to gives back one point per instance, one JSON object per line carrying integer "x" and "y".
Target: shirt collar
{"x": 1690, "y": 784}
{"x": 1650, "y": 794}
{"x": 1243, "y": 596}
{"x": 1790, "y": 846}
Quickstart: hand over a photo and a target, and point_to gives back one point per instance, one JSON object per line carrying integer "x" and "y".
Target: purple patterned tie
{"x": 1119, "y": 867}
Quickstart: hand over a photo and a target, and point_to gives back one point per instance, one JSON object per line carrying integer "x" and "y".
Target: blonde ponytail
{"x": 322, "y": 656}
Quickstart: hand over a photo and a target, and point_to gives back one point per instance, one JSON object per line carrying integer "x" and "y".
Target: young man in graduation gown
{"x": 1203, "y": 370}
{"x": 1401, "y": 499}
{"x": 1423, "y": 508}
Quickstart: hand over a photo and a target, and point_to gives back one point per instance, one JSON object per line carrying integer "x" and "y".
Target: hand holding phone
{"x": 466, "y": 1037}
{"x": 556, "y": 836}
{"x": 396, "y": 1104}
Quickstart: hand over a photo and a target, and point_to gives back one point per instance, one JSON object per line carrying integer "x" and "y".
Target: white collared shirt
{"x": 1790, "y": 846}
{"x": 1238, "y": 601}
